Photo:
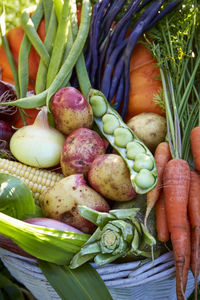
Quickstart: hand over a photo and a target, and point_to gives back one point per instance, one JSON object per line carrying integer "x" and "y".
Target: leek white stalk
{"x": 38, "y": 145}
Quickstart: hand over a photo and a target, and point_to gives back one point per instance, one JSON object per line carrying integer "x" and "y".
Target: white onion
{"x": 38, "y": 145}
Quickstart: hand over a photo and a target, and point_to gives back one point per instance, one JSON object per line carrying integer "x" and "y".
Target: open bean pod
{"x": 137, "y": 156}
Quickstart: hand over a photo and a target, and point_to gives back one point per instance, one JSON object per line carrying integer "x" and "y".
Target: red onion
{"x": 6, "y": 132}
{"x": 51, "y": 223}
{"x": 7, "y": 93}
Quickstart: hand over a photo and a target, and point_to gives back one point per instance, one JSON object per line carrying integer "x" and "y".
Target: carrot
{"x": 162, "y": 155}
{"x": 161, "y": 219}
{"x": 188, "y": 255}
{"x": 194, "y": 217}
{"x": 195, "y": 145}
{"x": 176, "y": 191}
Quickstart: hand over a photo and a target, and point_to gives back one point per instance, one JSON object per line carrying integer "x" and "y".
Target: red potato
{"x": 110, "y": 177}
{"x": 71, "y": 110}
{"x": 61, "y": 202}
{"x": 81, "y": 147}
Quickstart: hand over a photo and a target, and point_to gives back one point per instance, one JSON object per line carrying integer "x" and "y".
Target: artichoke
{"x": 119, "y": 234}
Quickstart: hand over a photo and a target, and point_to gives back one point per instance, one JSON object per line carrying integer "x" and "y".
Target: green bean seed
{"x": 99, "y": 106}
{"x": 122, "y": 136}
{"x": 144, "y": 179}
{"x": 142, "y": 161}
{"x": 134, "y": 148}
{"x": 110, "y": 123}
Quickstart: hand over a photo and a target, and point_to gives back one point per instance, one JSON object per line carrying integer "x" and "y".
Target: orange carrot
{"x": 188, "y": 255}
{"x": 162, "y": 155}
{"x": 194, "y": 217}
{"x": 195, "y": 145}
{"x": 161, "y": 219}
{"x": 176, "y": 182}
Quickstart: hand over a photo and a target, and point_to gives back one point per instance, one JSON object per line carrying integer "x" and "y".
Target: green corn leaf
{"x": 10, "y": 288}
{"x": 4, "y": 281}
{"x": 2, "y": 296}
{"x": 83, "y": 283}
{"x": 51, "y": 245}
{"x": 14, "y": 292}
{"x": 16, "y": 199}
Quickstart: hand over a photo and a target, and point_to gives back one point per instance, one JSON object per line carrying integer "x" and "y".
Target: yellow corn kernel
{"x": 36, "y": 179}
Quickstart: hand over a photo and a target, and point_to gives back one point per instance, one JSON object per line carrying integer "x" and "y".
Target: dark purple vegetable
{"x": 6, "y": 132}
{"x": 51, "y": 223}
{"x": 121, "y": 28}
{"x": 90, "y": 43}
{"x": 7, "y": 93}
{"x": 111, "y": 43}
{"x": 119, "y": 94}
{"x": 163, "y": 12}
{"x": 96, "y": 35}
{"x": 106, "y": 80}
{"x": 112, "y": 12}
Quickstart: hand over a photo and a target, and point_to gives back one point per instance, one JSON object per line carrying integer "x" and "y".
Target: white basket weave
{"x": 136, "y": 280}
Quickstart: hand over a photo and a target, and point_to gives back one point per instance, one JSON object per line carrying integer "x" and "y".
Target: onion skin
{"x": 6, "y": 132}
{"x": 38, "y": 145}
{"x": 7, "y": 93}
{"x": 9, "y": 245}
{"x": 53, "y": 224}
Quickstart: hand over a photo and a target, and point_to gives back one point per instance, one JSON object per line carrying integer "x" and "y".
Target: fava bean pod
{"x": 137, "y": 156}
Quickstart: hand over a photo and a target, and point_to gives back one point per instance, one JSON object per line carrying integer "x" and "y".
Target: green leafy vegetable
{"x": 119, "y": 234}
{"x": 83, "y": 283}
{"x": 176, "y": 46}
{"x": 16, "y": 199}
{"x": 51, "y": 245}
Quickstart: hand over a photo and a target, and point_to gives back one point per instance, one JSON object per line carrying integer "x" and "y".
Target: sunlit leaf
{"x": 83, "y": 283}
{"x": 16, "y": 199}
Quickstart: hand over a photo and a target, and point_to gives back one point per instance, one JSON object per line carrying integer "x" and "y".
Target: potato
{"x": 71, "y": 110}
{"x": 61, "y": 202}
{"x": 150, "y": 128}
{"x": 79, "y": 150}
{"x": 110, "y": 177}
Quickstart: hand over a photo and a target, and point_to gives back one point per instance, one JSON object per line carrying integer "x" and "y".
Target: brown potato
{"x": 61, "y": 202}
{"x": 110, "y": 177}
{"x": 150, "y": 128}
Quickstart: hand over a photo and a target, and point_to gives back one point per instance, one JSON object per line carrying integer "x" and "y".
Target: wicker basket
{"x": 137, "y": 280}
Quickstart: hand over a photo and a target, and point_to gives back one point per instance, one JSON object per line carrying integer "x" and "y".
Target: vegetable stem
{"x": 75, "y": 51}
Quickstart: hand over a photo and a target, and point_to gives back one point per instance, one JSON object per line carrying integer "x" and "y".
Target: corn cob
{"x": 36, "y": 179}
